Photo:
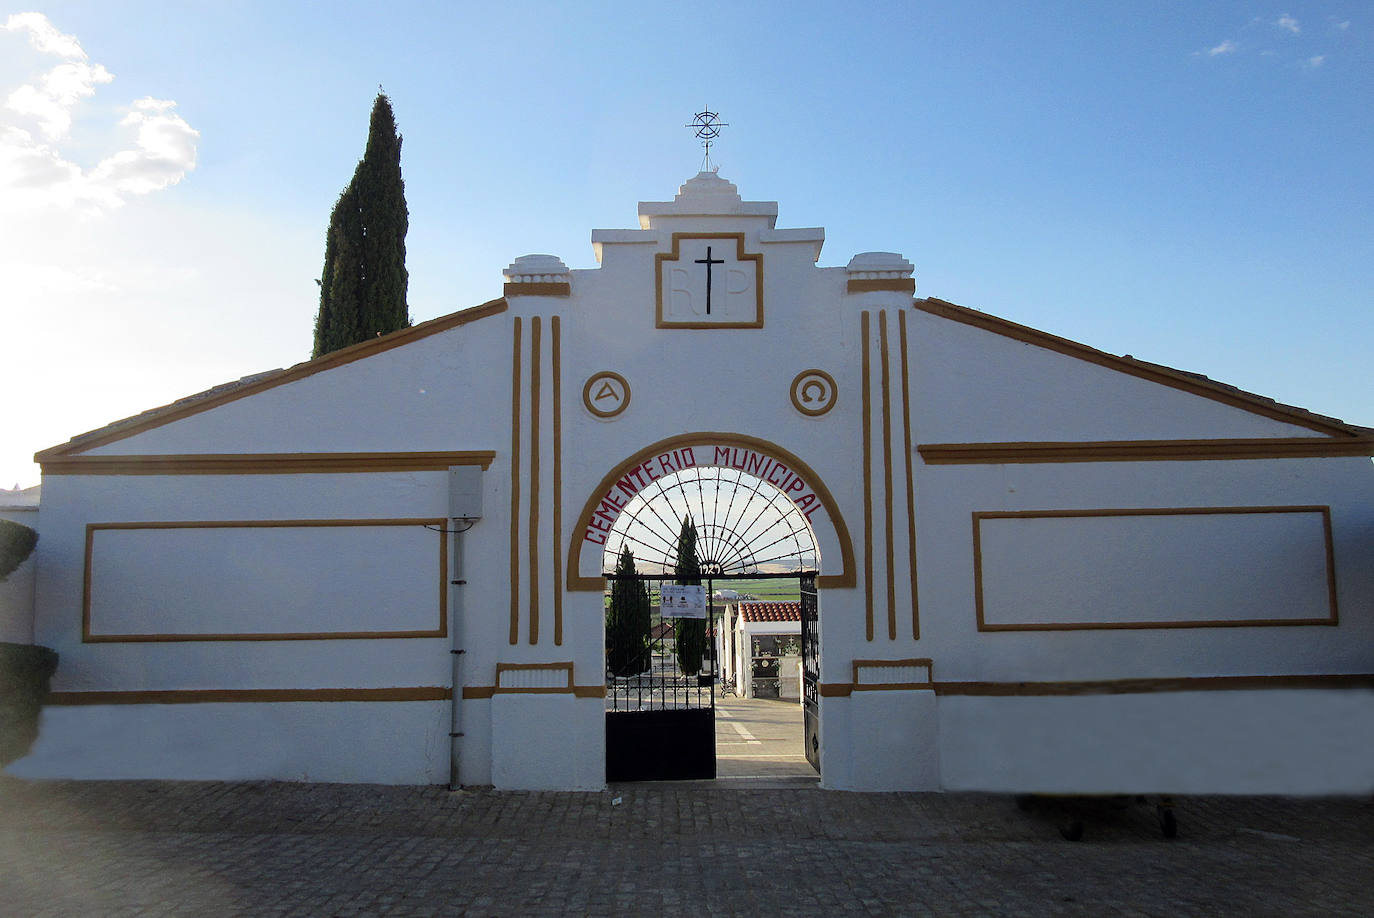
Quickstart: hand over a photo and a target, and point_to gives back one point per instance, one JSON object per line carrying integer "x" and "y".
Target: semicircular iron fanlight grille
{"x": 745, "y": 525}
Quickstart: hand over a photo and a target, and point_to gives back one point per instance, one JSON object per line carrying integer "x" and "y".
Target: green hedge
{"x": 25, "y": 676}
{"x": 16, "y": 544}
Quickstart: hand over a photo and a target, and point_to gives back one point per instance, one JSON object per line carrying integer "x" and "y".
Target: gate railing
{"x": 663, "y": 686}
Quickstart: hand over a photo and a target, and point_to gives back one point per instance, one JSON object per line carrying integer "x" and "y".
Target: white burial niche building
{"x": 1023, "y": 564}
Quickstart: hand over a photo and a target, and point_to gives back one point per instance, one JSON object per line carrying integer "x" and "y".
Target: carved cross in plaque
{"x": 727, "y": 294}
{"x": 708, "y": 261}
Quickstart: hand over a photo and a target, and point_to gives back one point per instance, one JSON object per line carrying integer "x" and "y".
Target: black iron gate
{"x": 661, "y": 722}
{"x": 811, "y": 671}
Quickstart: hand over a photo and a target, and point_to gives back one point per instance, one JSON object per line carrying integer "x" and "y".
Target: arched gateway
{"x": 787, "y": 475}
{"x": 752, "y": 512}
{"x": 1043, "y": 568}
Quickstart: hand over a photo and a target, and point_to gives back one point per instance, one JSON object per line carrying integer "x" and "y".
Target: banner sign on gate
{"x": 683, "y": 601}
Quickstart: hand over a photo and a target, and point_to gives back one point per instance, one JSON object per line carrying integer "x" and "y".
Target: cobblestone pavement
{"x": 153, "y": 848}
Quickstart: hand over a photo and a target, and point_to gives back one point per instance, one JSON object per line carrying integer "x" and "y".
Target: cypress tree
{"x": 627, "y": 621}
{"x": 691, "y": 632}
{"x": 363, "y": 285}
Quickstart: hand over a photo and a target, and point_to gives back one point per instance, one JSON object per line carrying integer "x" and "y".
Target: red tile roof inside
{"x": 770, "y": 611}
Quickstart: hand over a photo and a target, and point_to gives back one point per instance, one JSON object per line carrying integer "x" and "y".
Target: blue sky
{"x": 1189, "y": 183}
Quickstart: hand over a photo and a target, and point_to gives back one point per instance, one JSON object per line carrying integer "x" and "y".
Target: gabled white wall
{"x": 974, "y": 386}
{"x": 423, "y": 396}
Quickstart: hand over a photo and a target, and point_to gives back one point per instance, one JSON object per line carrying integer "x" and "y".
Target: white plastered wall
{"x": 1236, "y": 742}
{"x": 356, "y": 742}
{"x": 421, "y": 397}
{"x": 975, "y": 386}
{"x": 1273, "y": 741}
{"x": 948, "y": 496}
{"x": 453, "y": 391}
{"x": 133, "y": 740}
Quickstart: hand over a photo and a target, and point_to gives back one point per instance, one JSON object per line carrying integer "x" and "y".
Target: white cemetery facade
{"x": 1040, "y": 567}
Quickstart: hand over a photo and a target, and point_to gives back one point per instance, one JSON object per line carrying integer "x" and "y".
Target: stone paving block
{"x": 207, "y": 849}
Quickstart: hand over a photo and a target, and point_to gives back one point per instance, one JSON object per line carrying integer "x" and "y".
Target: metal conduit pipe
{"x": 465, "y": 509}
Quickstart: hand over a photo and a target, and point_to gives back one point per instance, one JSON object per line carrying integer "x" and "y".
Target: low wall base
{"x": 1217, "y": 742}
{"x": 366, "y": 742}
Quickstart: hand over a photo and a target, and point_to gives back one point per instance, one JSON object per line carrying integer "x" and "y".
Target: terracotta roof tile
{"x": 770, "y": 611}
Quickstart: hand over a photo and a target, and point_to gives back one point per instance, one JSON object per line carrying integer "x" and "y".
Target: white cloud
{"x": 1343, "y": 25}
{"x": 38, "y": 116}
{"x": 42, "y": 282}
{"x": 44, "y": 37}
{"x": 120, "y": 302}
{"x": 1313, "y": 63}
{"x": 51, "y": 101}
{"x": 1226, "y": 47}
{"x": 165, "y": 151}
{"x": 1288, "y": 23}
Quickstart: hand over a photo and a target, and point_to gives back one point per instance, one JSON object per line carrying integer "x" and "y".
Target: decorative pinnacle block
{"x": 878, "y": 266}
{"x": 537, "y": 269}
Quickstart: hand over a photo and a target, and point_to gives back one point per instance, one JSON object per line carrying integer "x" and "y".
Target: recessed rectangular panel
{"x": 265, "y": 580}
{"x": 1171, "y": 568}
{"x": 708, "y": 281}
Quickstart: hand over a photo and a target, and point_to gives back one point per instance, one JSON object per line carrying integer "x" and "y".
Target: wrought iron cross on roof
{"x": 706, "y": 125}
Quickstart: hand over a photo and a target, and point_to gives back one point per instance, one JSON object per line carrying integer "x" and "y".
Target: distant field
{"x": 779, "y": 590}
{"x": 773, "y": 590}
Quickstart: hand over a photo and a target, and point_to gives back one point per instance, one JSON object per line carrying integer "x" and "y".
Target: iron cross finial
{"x": 706, "y": 125}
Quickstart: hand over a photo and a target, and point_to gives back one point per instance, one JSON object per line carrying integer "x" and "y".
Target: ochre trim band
{"x": 866, "y": 422}
{"x": 984, "y": 626}
{"x": 556, "y": 367}
{"x": 265, "y": 463}
{"x": 1143, "y": 450}
{"x": 875, "y": 284}
{"x": 88, "y": 636}
{"x": 254, "y": 696}
{"x": 910, "y": 486}
{"x": 532, "y": 537}
{"x": 563, "y": 666}
{"x": 538, "y": 288}
{"x": 1144, "y": 686}
{"x": 857, "y": 666}
{"x": 478, "y": 692}
{"x": 569, "y": 687}
{"x": 1120, "y": 686}
{"x": 515, "y": 484}
{"x": 885, "y": 375}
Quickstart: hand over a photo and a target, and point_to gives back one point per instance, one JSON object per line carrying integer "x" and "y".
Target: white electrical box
{"x": 465, "y": 492}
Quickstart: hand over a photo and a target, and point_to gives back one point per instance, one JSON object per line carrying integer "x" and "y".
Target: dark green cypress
{"x": 691, "y": 632}
{"x": 363, "y": 286}
{"x": 627, "y": 621}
